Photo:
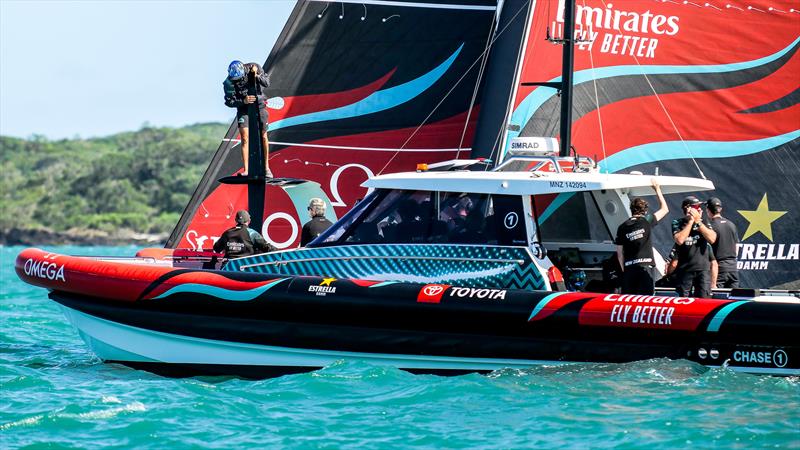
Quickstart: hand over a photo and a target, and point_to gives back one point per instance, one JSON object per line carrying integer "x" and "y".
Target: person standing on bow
{"x": 236, "y": 88}
{"x": 318, "y": 223}
{"x": 240, "y": 240}
{"x": 725, "y": 245}
{"x": 634, "y": 245}
{"x": 694, "y": 239}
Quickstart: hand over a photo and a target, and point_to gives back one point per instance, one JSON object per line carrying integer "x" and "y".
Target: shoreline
{"x": 81, "y": 237}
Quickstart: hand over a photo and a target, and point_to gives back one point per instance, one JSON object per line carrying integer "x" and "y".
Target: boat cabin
{"x": 470, "y": 226}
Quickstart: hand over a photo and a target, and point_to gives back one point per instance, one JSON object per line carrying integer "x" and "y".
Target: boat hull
{"x": 255, "y": 324}
{"x": 180, "y": 354}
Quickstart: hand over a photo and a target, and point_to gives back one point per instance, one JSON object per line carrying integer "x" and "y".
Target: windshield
{"x": 570, "y": 217}
{"x": 405, "y": 216}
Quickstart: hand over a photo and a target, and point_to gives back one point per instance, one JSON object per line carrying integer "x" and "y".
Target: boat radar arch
{"x": 535, "y": 183}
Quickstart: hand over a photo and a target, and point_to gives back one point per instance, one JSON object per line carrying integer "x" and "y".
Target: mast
{"x": 256, "y": 188}
{"x": 567, "y": 63}
{"x": 256, "y": 177}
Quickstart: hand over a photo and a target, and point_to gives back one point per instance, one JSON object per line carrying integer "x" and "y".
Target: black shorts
{"x": 696, "y": 283}
{"x": 243, "y": 120}
{"x": 637, "y": 279}
{"x": 728, "y": 279}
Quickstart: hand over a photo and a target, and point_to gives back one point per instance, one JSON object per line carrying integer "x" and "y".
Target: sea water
{"x": 54, "y": 393}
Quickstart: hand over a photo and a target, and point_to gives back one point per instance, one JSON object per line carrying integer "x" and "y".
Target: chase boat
{"x": 452, "y": 268}
{"x": 443, "y": 270}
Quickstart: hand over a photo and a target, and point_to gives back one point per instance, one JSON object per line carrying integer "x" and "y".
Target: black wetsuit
{"x": 313, "y": 228}
{"x": 693, "y": 274}
{"x": 237, "y": 90}
{"x": 725, "y": 251}
{"x": 637, "y": 254}
{"x": 241, "y": 241}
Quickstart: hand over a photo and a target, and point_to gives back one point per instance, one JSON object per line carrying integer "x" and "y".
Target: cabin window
{"x": 395, "y": 217}
{"x": 343, "y": 225}
{"x": 570, "y": 217}
{"x": 507, "y": 220}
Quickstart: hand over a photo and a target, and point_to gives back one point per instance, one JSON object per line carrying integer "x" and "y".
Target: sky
{"x": 94, "y": 68}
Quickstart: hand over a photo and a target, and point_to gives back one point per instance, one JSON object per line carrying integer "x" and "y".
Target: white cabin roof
{"x": 535, "y": 183}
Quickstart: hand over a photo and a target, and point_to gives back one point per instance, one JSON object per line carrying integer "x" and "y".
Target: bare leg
{"x": 245, "y": 133}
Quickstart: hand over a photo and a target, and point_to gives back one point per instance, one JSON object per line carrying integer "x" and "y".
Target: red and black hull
{"x": 429, "y": 328}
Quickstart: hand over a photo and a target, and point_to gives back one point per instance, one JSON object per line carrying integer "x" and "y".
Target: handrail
{"x": 149, "y": 259}
{"x": 349, "y": 258}
{"x": 580, "y": 162}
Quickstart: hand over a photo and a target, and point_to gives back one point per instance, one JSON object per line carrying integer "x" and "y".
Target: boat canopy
{"x": 535, "y": 183}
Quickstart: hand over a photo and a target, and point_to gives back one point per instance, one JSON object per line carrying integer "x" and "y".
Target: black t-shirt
{"x": 313, "y": 228}
{"x": 241, "y": 241}
{"x": 725, "y": 246}
{"x": 634, "y": 237}
{"x": 695, "y": 253}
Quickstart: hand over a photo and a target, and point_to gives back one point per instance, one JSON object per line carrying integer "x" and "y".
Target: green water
{"x": 55, "y": 394}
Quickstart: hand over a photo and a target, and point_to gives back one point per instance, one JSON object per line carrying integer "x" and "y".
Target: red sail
{"x": 693, "y": 88}
{"x": 357, "y": 89}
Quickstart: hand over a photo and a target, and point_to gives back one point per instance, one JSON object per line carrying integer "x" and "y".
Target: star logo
{"x": 327, "y": 281}
{"x": 761, "y": 219}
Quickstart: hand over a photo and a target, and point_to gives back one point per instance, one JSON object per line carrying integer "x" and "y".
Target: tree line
{"x": 140, "y": 180}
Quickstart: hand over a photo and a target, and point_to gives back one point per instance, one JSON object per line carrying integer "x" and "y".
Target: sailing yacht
{"x": 456, "y": 266}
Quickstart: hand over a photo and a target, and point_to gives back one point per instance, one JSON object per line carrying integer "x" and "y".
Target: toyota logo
{"x": 432, "y": 290}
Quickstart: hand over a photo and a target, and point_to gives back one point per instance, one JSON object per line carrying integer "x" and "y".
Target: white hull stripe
{"x": 413, "y": 5}
{"x": 112, "y": 341}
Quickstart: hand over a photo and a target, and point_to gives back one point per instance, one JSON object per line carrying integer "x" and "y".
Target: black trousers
{"x": 696, "y": 283}
{"x": 728, "y": 279}
{"x": 638, "y": 280}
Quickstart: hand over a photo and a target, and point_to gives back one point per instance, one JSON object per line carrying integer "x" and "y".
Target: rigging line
{"x": 495, "y": 147}
{"x": 597, "y": 100}
{"x": 477, "y": 87}
{"x": 664, "y": 108}
{"x": 780, "y": 163}
{"x": 524, "y": 4}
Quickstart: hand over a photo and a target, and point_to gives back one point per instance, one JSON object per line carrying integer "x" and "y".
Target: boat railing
{"x": 128, "y": 259}
{"x": 761, "y": 295}
{"x": 205, "y": 262}
{"x": 283, "y": 262}
{"x": 537, "y": 163}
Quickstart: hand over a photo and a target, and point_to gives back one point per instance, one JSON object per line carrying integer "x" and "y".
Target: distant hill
{"x": 102, "y": 189}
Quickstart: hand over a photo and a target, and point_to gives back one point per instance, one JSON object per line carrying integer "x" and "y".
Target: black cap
{"x": 242, "y": 217}
{"x": 714, "y": 201}
{"x": 690, "y": 201}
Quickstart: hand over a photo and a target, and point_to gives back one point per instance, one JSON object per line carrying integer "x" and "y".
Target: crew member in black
{"x": 240, "y": 240}
{"x": 236, "y": 96}
{"x": 725, "y": 245}
{"x": 634, "y": 246}
{"x": 318, "y": 223}
{"x": 694, "y": 239}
